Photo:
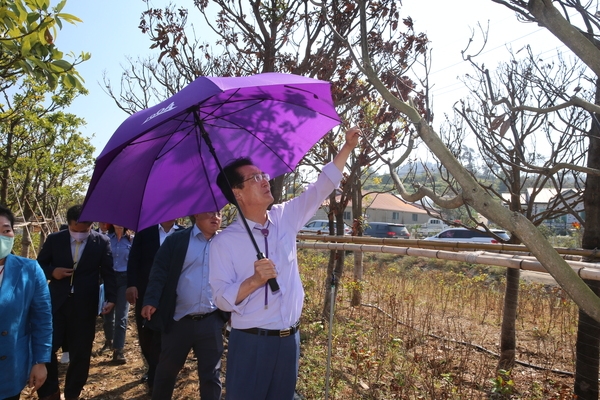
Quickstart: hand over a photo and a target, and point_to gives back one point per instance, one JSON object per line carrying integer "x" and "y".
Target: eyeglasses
{"x": 258, "y": 177}
{"x": 213, "y": 214}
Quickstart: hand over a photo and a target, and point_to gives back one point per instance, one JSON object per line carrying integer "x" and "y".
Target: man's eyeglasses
{"x": 213, "y": 214}
{"x": 258, "y": 177}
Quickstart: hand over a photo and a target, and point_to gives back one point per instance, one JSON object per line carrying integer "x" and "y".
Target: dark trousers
{"x": 206, "y": 338}
{"x": 16, "y": 397}
{"x": 80, "y": 339}
{"x": 149, "y": 342}
{"x": 262, "y": 367}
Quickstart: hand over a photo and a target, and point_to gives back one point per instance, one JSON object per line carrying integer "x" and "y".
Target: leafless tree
{"x": 472, "y": 193}
{"x": 520, "y": 149}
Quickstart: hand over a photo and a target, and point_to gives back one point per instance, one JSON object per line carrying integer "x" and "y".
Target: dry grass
{"x": 426, "y": 330}
{"x": 425, "y": 333}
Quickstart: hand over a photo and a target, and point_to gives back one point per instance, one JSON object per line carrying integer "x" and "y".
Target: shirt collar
{"x": 198, "y": 233}
{"x": 254, "y": 224}
{"x": 160, "y": 228}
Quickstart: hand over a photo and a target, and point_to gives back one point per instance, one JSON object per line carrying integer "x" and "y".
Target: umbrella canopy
{"x": 157, "y": 166}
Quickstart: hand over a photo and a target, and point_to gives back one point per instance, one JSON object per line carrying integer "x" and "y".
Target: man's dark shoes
{"x": 54, "y": 396}
{"x": 119, "y": 357}
{"x": 107, "y": 347}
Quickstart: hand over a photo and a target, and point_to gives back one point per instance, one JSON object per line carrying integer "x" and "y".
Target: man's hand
{"x": 352, "y": 136}
{"x": 131, "y": 294}
{"x": 147, "y": 312}
{"x": 61, "y": 273}
{"x": 107, "y": 307}
{"x": 264, "y": 270}
{"x": 37, "y": 377}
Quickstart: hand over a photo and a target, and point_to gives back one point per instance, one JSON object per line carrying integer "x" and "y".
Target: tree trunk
{"x": 588, "y": 329}
{"x": 508, "y": 340}
{"x": 42, "y": 241}
{"x": 358, "y": 277}
{"x": 277, "y": 189}
{"x": 26, "y": 238}
{"x": 327, "y": 299}
{"x": 357, "y": 230}
{"x": 508, "y": 334}
{"x": 586, "y": 365}
{"x": 6, "y": 157}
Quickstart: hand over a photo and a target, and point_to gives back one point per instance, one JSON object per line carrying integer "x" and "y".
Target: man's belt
{"x": 198, "y": 317}
{"x": 273, "y": 332}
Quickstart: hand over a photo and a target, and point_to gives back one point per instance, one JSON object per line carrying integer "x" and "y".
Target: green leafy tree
{"x": 28, "y": 30}
{"x": 37, "y": 81}
{"x": 44, "y": 160}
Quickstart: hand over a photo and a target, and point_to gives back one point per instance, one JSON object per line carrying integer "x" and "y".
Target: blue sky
{"x": 110, "y": 33}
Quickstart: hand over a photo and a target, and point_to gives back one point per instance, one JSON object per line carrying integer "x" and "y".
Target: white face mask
{"x": 79, "y": 236}
{"x": 6, "y": 245}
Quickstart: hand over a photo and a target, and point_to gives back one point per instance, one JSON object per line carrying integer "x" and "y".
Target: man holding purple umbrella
{"x": 264, "y": 343}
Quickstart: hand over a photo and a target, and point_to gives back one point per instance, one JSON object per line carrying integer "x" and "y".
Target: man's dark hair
{"x": 234, "y": 178}
{"x": 73, "y": 214}
{"x": 5, "y": 212}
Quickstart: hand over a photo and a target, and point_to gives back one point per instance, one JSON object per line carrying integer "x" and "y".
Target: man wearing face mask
{"x": 74, "y": 260}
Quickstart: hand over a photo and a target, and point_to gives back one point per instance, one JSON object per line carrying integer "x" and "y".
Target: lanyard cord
{"x": 265, "y": 233}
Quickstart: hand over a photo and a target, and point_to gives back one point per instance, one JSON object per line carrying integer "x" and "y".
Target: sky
{"x": 110, "y": 33}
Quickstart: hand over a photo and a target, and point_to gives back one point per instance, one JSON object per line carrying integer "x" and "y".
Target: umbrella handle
{"x": 272, "y": 282}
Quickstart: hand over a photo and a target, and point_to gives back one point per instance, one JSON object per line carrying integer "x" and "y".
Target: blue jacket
{"x": 25, "y": 323}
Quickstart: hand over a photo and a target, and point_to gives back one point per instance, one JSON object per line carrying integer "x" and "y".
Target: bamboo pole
{"x": 584, "y": 270}
{"x": 444, "y": 245}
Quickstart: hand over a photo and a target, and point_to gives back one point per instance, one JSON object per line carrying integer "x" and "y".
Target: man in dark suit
{"x": 141, "y": 256}
{"x": 74, "y": 260}
{"x": 178, "y": 302}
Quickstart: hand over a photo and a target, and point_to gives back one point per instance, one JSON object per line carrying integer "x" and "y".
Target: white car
{"x": 465, "y": 235}
{"x": 321, "y": 227}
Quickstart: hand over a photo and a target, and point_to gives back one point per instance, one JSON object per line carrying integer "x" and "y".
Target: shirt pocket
{"x": 286, "y": 249}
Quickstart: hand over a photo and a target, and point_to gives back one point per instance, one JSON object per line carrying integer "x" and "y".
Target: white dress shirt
{"x": 232, "y": 257}
{"x": 162, "y": 234}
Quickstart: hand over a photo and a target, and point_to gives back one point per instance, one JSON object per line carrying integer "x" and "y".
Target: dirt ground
{"x": 110, "y": 381}
{"x": 538, "y": 277}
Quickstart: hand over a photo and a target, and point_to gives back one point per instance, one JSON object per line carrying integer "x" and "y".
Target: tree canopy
{"x": 28, "y": 30}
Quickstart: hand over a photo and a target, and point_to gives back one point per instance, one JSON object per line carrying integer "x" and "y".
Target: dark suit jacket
{"x": 141, "y": 256}
{"x": 95, "y": 262}
{"x": 164, "y": 276}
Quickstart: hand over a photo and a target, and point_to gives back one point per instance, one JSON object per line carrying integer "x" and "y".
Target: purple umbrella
{"x": 158, "y": 164}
